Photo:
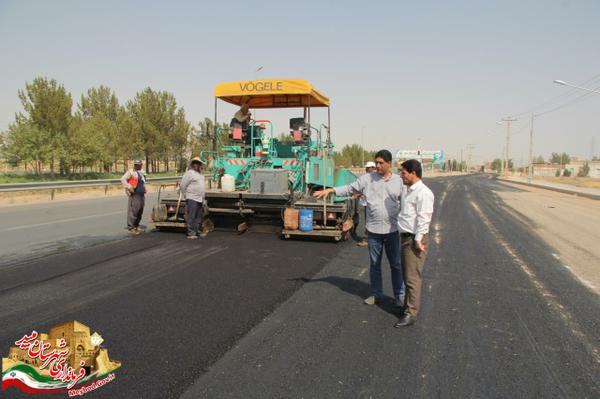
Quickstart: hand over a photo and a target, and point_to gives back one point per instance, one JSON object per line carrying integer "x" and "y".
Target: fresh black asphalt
{"x": 253, "y": 316}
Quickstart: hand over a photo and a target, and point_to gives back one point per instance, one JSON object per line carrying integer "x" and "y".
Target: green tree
{"x": 26, "y": 143}
{"x": 352, "y": 155}
{"x": 454, "y": 165}
{"x": 562, "y": 159}
{"x": 164, "y": 134}
{"x": 584, "y": 171}
{"x": 102, "y": 105}
{"x": 497, "y": 165}
{"x": 285, "y": 138}
{"x": 201, "y": 138}
{"x": 511, "y": 165}
{"x": 566, "y": 173}
{"x": 47, "y": 107}
{"x": 179, "y": 137}
{"x": 539, "y": 159}
{"x": 87, "y": 142}
{"x": 204, "y": 135}
{"x": 129, "y": 137}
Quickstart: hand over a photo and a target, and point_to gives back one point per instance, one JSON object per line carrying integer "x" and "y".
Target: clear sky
{"x": 438, "y": 74}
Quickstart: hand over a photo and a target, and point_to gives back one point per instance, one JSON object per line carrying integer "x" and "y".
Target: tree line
{"x": 98, "y": 131}
{"x": 100, "y": 134}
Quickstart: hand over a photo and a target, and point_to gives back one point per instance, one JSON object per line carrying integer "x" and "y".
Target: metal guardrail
{"x": 53, "y": 186}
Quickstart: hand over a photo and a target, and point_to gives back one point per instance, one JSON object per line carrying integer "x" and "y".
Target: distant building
{"x": 546, "y": 169}
{"x": 574, "y": 166}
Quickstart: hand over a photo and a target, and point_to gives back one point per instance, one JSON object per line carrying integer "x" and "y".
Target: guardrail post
{"x": 106, "y": 190}
{"x": 52, "y": 194}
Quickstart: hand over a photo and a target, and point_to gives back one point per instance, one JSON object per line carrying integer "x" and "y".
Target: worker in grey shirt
{"x": 382, "y": 190}
{"x": 192, "y": 187}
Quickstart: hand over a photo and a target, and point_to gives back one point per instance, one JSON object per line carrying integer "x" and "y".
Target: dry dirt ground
{"x": 573, "y": 181}
{"x": 569, "y": 223}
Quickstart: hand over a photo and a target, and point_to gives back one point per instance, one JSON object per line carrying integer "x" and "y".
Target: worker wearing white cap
{"x": 192, "y": 186}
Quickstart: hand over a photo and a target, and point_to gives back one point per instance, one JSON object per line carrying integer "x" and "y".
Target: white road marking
{"x": 437, "y": 236}
{"x": 556, "y": 256}
{"x": 443, "y": 198}
{"x": 362, "y": 272}
{"x": 29, "y": 226}
{"x": 584, "y": 282}
{"x": 550, "y": 298}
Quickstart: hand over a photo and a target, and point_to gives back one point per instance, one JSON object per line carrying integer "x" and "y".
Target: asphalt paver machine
{"x": 257, "y": 181}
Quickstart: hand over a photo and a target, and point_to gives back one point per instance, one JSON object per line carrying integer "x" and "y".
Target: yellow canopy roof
{"x": 271, "y": 93}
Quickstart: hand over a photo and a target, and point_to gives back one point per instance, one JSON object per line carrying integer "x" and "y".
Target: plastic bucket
{"x": 306, "y": 219}
{"x": 228, "y": 183}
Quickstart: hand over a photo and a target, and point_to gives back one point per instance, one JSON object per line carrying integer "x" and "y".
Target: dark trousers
{"x": 412, "y": 268}
{"x": 135, "y": 209}
{"x": 194, "y": 216}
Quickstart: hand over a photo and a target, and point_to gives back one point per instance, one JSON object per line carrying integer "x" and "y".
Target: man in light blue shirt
{"x": 382, "y": 190}
{"x": 192, "y": 186}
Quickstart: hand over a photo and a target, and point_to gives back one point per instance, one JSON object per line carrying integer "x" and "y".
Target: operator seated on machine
{"x": 240, "y": 125}
{"x": 298, "y": 130}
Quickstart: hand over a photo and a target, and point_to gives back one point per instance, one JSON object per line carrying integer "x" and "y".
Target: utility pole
{"x": 362, "y": 145}
{"x": 530, "y": 169}
{"x": 461, "y": 159}
{"x": 508, "y": 120}
{"x": 561, "y": 159}
{"x": 469, "y": 155}
{"x": 592, "y": 149}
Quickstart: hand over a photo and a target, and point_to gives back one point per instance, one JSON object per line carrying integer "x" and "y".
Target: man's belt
{"x": 406, "y": 235}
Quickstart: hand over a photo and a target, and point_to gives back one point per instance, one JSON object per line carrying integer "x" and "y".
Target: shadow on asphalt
{"x": 354, "y": 287}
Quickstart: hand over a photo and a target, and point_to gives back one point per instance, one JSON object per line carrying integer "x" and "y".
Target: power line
{"x": 575, "y": 100}
{"x": 559, "y": 97}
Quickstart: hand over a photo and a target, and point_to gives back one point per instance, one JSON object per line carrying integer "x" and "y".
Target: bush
{"x": 584, "y": 170}
{"x": 566, "y": 173}
{"x": 557, "y": 174}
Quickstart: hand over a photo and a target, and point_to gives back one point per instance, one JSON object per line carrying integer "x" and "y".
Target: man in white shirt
{"x": 416, "y": 210}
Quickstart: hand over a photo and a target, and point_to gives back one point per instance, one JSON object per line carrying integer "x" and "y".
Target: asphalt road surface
{"x": 252, "y": 316}
{"x": 39, "y": 229}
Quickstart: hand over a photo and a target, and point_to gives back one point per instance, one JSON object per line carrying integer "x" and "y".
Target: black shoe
{"x": 405, "y": 321}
